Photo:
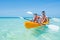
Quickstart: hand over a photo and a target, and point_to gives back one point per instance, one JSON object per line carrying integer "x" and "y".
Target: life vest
{"x": 36, "y": 18}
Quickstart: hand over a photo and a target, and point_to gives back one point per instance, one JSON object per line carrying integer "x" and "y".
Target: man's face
{"x": 43, "y": 13}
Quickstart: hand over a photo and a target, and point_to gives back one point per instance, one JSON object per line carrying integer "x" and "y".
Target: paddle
{"x": 26, "y": 19}
{"x": 30, "y": 13}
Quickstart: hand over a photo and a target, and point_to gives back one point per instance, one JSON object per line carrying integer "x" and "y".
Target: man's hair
{"x": 43, "y": 12}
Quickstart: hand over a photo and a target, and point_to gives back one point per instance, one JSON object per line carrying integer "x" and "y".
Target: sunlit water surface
{"x": 14, "y": 29}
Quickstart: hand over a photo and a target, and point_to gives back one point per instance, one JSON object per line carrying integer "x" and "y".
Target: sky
{"x": 17, "y": 8}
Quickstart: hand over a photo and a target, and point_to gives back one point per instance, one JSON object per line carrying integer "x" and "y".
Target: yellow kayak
{"x": 30, "y": 24}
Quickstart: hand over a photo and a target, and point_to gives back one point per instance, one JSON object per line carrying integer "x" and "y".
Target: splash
{"x": 21, "y": 18}
{"x": 53, "y": 27}
{"x": 56, "y": 19}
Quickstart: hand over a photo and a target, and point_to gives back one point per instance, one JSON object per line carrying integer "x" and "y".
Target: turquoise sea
{"x": 12, "y": 28}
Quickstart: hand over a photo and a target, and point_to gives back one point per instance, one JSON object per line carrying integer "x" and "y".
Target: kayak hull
{"x": 29, "y": 24}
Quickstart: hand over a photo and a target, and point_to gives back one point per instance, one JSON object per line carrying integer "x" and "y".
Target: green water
{"x": 14, "y": 29}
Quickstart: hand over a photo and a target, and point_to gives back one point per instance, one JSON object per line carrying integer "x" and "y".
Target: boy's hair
{"x": 35, "y": 14}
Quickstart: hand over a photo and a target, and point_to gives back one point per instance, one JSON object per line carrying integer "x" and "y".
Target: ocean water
{"x": 14, "y": 29}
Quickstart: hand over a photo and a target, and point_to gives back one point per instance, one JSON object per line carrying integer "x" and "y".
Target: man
{"x": 44, "y": 17}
